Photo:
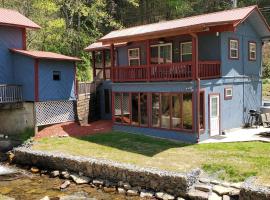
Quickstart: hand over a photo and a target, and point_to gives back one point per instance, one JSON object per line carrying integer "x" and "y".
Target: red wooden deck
{"x": 75, "y": 130}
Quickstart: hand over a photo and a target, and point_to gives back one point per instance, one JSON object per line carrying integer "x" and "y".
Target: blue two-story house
{"x": 186, "y": 79}
{"x": 40, "y": 84}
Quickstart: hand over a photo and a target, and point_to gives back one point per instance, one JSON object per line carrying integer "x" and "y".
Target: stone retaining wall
{"x": 188, "y": 186}
{"x": 152, "y": 179}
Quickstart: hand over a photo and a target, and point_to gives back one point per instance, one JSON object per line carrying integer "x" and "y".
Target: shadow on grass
{"x": 140, "y": 144}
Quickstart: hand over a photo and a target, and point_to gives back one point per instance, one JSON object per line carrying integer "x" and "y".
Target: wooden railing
{"x": 10, "y": 93}
{"x": 166, "y": 72}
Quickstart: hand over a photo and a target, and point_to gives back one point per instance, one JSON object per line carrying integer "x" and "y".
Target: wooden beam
{"x": 94, "y": 63}
{"x": 103, "y": 64}
{"x": 112, "y": 61}
{"x": 148, "y": 59}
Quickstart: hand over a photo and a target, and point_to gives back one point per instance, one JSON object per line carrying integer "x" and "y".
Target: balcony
{"x": 166, "y": 72}
{"x": 10, "y": 93}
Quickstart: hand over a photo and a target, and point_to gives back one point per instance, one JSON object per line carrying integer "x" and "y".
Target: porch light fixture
{"x": 217, "y": 34}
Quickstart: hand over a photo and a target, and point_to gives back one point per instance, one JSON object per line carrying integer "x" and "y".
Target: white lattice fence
{"x": 52, "y": 112}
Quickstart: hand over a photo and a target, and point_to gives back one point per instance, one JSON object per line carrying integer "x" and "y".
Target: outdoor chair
{"x": 265, "y": 119}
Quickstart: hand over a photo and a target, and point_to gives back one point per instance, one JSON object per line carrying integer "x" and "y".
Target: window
{"x": 228, "y": 93}
{"x": 125, "y": 109}
{"x": 56, "y": 75}
{"x": 234, "y": 49}
{"x": 134, "y": 57}
{"x": 135, "y": 108}
{"x": 186, "y": 51}
{"x": 252, "y": 47}
{"x": 155, "y": 110}
{"x": 187, "y": 111}
{"x": 143, "y": 109}
{"x": 176, "y": 111}
{"x": 161, "y": 53}
{"x": 117, "y": 107}
{"x": 165, "y": 111}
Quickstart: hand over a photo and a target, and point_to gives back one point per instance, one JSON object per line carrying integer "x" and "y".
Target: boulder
{"x": 203, "y": 187}
{"x": 80, "y": 179}
{"x": 198, "y": 195}
{"x": 121, "y": 190}
{"x": 132, "y": 193}
{"x": 164, "y": 196}
{"x": 214, "y": 196}
{"x": 98, "y": 182}
{"x": 221, "y": 190}
{"x": 146, "y": 194}
{"x": 64, "y": 185}
{"x": 109, "y": 189}
{"x": 65, "y": 175}
{"x": 34, "y": 170}
{"x": 54, "y": 173}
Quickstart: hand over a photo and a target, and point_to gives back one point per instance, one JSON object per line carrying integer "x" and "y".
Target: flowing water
{"x": 22, "y": 185}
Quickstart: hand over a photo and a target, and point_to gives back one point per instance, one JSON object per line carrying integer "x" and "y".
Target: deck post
{"x": 94, "y": 63}
{"x": 148, "y": 59}
{"x": 103, "y": 64}
{"x": 112, "y": 62}
{"x": 195, "y": 75}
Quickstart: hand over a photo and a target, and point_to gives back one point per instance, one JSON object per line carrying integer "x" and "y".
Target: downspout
{"x": 196, "y": 78}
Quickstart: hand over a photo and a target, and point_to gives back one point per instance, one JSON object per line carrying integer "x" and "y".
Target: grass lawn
{"x": 227, "y": 161}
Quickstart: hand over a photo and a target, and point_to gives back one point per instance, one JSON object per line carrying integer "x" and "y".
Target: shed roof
{"x": 99, "y": 46}
{"x": 14, "y": 18}
{"x": 189, "y": 24}
{"x": 45, "y": 55}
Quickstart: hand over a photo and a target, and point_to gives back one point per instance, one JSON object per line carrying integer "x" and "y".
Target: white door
{"x": 214, "y": 115}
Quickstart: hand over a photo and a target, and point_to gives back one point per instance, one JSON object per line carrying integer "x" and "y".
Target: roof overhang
{"x": 98, "y": 46}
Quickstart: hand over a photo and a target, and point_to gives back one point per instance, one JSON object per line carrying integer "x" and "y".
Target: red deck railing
{"x": 165, "y": 72}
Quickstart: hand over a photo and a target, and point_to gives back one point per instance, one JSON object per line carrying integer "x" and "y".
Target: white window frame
{"x": 134, "y": 58}
{"x": 226, "y": 95}
{"x": 250, "y": 51}
{"x": 235, "y": 49}
{"x": 181, "y": 52}
{"x": 160, "y": 45}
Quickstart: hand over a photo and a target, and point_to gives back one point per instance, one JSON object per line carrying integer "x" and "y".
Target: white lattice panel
{"x": 52, "y": 112}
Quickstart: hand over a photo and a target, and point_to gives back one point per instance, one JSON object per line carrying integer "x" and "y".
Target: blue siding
{"x": 166, "y": 134}
{"x": 9, "y": 38}
{"x": 56, "y": 90}
{"x": 231, "y": 68}
{"x": 24, "y": 75}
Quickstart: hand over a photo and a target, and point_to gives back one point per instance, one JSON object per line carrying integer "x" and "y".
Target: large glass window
{"x": 165, "y": 110}
{"x": 98, "y": 59}
{"x": 176, "y": 111}
{"x": 134, "y": 57}
{"x": 143, "y": 109}
{"x": 135, "y": 108}
{"x": 186, "y": 51}
{"x": 161, "y": 53}
{"x": 187, "y": 111}
{"x": 155, "y": 110}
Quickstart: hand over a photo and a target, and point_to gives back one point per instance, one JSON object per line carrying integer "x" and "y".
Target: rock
{"x": 237, "y": 185}
{"x": 54, "y": 173}
{"x": 45, "y": 198}
{"x": 127, "y": 186}
{"x": 3, "y": 157}
{"x": 225, "y": 184}
{"x": 234, "y": 192}
{"x": 43, "y": 171}
{"x": 226, "y": 197}
{"x": 204, "y": 180}
{"x": 164, "y": 196}
{"x": 2, "y": 197}
{"x": 11, "y": 156}
{"x": 146, "y": 194}
{"x": 80, "y": 179}
{"x": 34, "y": 170}
{"x": 214, "y": 196}
{"x": 65, "y": 175}
{"x": 109, "y": 189}
{"x": 77, "y": 196}
{"x": 215, "y": 182}
{"x": 203, "y": 187}
{"x": 180, "y": 198}
{"x": 98, "y": 182}
{"x": 197, "y": 194}
{"x": 64, "y": 185}
{"x": 132, "y": 193}
{"x": 121, "y": 190}
{"x": 221, "y": 190}
{"x": 109, "y": 184}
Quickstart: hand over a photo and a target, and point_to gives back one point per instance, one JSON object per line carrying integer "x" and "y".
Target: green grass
{"x": 227, "y": 161}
